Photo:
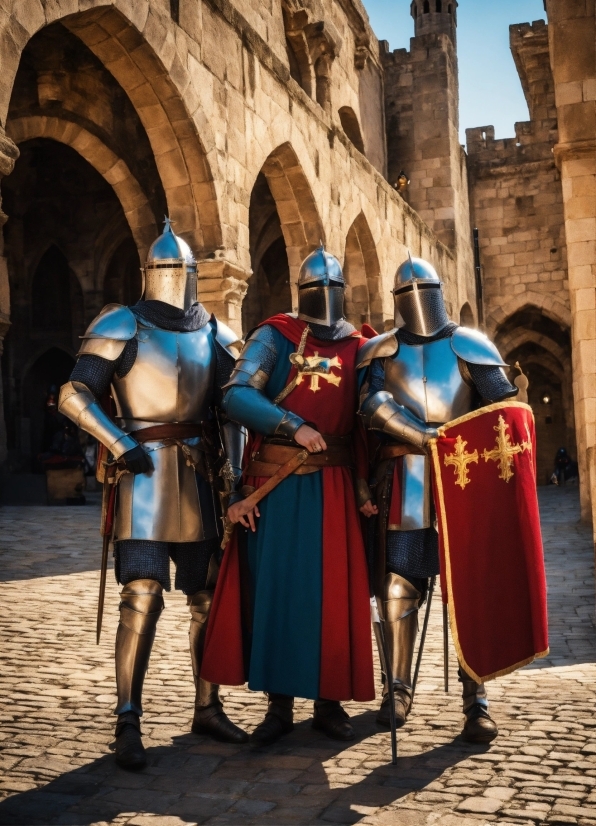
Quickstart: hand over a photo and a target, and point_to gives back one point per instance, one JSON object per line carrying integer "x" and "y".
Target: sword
{"x": 376, "y": 618}
{"x": 431, "y": 588}
{"x": 112, "y": 473}
{"x": 446, "y": 646}
{"x": 102, "y": 584}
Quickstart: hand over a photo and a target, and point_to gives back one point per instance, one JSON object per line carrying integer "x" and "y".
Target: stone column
{"x": 572, "y": 45}
{"x": 8, "y": 155}
{"x": 222, "y": 287}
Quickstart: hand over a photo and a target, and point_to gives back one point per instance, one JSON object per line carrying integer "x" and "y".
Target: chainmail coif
{"x": 168, "y": 317}
{"x": 341, "y": 329}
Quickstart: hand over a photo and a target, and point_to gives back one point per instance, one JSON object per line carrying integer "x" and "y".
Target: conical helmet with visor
{"x": 170, "y": 273}
{"x": 418, "y": 297}
{"x": 321, "y": 288}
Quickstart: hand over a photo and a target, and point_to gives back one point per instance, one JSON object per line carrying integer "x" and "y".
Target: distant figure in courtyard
{"x": 165, "y": 360}
{"x": 565, "y": 467}
{"x": 296, "y": 580}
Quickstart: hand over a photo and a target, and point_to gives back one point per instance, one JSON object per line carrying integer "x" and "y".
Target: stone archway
{"x": 299, "y": 217}
{"x": 546, "y": 303}
{"x": 284, "y": 227}
{"x": 136, "y": 46}
{"x": 113, "y": 169}
{"x": 543, "y": 349}
{"x": 363, "y": 276}
{"x": 466, "y": 316}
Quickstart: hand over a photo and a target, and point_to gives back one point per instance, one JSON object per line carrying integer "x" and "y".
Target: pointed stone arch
{"x": 299, "y": 217}
{"x": 137, "y": 46}
{"x": 541, "y": 344}
{"x": 113, "y": 169}
{"x": 466, "y": 315}
{"x": 362, "y": 272}
{"x": 545, "y": 303}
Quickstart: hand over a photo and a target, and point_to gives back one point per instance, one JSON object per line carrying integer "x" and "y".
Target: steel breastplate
{"x": 172, "y": 378}
{"x": 426, "y": 379}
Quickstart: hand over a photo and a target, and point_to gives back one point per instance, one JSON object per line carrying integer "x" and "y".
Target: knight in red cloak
{"x": 291, "y": 612}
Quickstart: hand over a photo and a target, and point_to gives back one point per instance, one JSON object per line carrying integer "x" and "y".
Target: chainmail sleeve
{"x": 491, "y": 382}
{"x": 94, "y": 372}
{"x": 97, "y": 373}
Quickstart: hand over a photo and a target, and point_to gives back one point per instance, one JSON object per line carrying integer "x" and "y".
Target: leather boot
{"x": 278, "y": 721}
{"x": 129, "y": 749}
{"x": 331, "y": 718}
{"x": 209, "y": 716}
{"x": 140, "y": 608}
{"x": 479, "y": 727}
{"x": 400, "y": 624}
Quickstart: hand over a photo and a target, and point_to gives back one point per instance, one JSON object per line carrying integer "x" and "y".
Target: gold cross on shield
{"x": 504, "y": 451}
{"x": 315, "y": 368}
{"x": 460, "y": 459}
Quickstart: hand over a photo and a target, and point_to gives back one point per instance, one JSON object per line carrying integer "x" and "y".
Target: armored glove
{"x": 137, "y": 460}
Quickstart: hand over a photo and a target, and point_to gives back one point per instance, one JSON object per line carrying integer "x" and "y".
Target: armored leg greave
{"x": 207, "y": 694}
{"x": 140, "y": 609}
{"x": 209, "y": 717}
{"x": 400, "y": 624}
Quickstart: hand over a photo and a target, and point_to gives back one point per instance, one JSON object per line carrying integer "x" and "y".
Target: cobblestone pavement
{"x": 57, "y": 694}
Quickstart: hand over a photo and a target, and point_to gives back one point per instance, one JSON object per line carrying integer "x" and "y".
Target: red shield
{"x": 492, "y": 566}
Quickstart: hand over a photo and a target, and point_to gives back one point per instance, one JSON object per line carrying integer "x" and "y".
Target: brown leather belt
{"x": 270, "y": 457}
{"x": 393, "y": 451}
{"x": 168, "y": 430}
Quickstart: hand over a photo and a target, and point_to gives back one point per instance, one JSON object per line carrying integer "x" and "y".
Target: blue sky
{"x": 490, "y": 91}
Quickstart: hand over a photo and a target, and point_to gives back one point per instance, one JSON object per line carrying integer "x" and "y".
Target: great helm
{"x": 419, "y": 298}
{"x": 321, "y": 288}
{"x": 170, "y": 273}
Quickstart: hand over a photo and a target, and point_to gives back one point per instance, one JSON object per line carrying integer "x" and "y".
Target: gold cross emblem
{"x": 316, "y": 368}
{"x": 460, "y": 459}
{"x": 504, "y": 451}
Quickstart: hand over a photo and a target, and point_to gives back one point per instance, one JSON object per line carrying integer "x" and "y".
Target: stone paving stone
{"x": 57, "y": 695}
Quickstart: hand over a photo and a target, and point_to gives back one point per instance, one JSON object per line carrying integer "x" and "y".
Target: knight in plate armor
{"x": 415, "y": 378}
{"x": 165, "y": 361}
{"x": 302, "y": 560}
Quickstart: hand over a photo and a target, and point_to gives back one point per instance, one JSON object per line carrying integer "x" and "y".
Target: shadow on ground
{"x": 196, "y": 779}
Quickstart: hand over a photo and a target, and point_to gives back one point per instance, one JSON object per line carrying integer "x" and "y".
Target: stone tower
{"x": 421, "y": 102}
{"x": 435, "y": 17}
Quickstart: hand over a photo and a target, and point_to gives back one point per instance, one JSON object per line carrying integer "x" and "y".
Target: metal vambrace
{"x": 207, "y": 694}
{"x": 253, "y": 409}
{"x": 140, "y": 608}
{"x": 473, "y": 693}
{"x": 80, "y": 405}
{"x": 382, "y": 412}
{"x": 234, "y": 441}
{"x": 400, "y": 617}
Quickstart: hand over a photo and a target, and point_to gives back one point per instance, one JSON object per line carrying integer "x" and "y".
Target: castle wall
{"x": 572, "y": 46}
{"x": 517, "y": 206}
{"x": 215, "y": 96}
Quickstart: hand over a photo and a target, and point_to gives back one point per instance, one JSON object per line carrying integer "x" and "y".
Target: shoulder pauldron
{"x": 475, "y": 348}
{"x": 378, "y": 347}
{"x": 107, "y": 334}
